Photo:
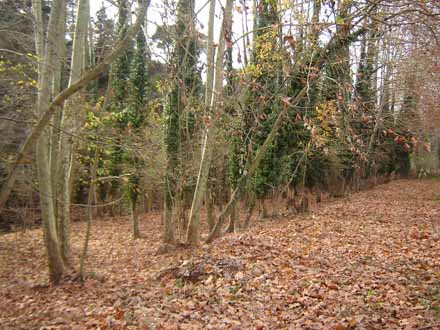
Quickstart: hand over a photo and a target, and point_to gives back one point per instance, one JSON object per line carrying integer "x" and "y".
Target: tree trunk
{"x": 250, "y": 210}
{"x": 134, "y": 218}
{"x": 90, "y": 198}
{"x": 52, "y": 108}
{"x": 232, "y": 220}
{"x": 192, "y": 235}
{"x": 59, "y": 65}
{"x": 70, "y": 123}
{"x": 47, "y": 58}
{"x": 241, "y": 184}
{"x": 319, "y": 60}
{"x": 210, "y": 56}
{"x": 177, "y": 131}
{"x": 210, "y": 216}
{"x": 263, "y": 209}
{"x": 168, "y": 221}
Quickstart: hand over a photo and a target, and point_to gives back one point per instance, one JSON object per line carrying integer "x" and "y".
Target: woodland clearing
{"x": 368, "y": 261}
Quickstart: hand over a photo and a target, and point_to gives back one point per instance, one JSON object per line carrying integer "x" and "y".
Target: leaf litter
{"x": 368, "y": 261}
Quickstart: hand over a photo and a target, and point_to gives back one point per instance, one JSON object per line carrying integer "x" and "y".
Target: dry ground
{"x": 370, "y": 261}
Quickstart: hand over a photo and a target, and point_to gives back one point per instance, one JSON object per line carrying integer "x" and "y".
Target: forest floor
{"x": 368, "y": 261}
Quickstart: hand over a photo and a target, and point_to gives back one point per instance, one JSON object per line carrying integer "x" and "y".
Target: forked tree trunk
{"x": 177, "y": 130}
{"x": 46, "y": 51}
{"x": 192, "y": 235}
{"x": 40, "y": 134}
{"x": 55, "y": 106}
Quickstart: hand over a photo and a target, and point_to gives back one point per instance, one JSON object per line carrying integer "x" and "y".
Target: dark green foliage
{"x": 183, "y": 97}
{"x": 135, "y": 113}
{"x": 172, "y": 145}
{"x": 262, "y": 105}
{"x": 120, "y": 74}
{"x": 121, "y": 67}
{"x": 104, "y": 32}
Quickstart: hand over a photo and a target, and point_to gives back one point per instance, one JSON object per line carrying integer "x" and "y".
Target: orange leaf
{"x": 286, "y": 101}
{"x": 337, "y": 326}
{"x": 427, "y": 147}
{"x": 290, "y": 40}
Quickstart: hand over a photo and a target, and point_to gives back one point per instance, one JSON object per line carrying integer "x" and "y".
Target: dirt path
{"x": 371, "y": 261}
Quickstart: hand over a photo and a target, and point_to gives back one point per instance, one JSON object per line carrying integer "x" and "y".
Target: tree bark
{"x": 89, "y": 213}
{"x": 135, "y": 218}
{"x": 210, "y": 56}
{"x": 250, "y": 201}
{"x": 383, "y": 103}
{"x": 209, "y": 210}
{"x": 192, "y": 235}
{"x": 47, "y": 58}
{"x": 232, "y": 220}
{"x": 70, "y": 123}
{"x": 59, "y": 65}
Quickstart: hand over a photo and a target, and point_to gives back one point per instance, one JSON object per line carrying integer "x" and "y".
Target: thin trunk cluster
{"x": 55, "y": 207}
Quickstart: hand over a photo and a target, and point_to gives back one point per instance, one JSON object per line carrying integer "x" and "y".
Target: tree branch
{"x": 57, "y": 103}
